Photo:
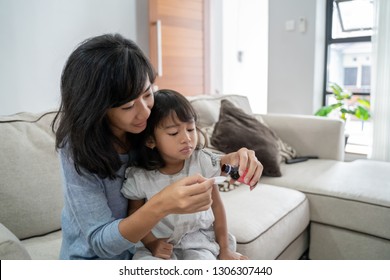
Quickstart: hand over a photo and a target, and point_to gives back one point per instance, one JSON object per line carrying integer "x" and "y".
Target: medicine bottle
{"x": 233, "y": 172}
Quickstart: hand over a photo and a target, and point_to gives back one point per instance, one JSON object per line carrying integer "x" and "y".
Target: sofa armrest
{"x": 309, "y": 135}
{"x": 10, "y": 246}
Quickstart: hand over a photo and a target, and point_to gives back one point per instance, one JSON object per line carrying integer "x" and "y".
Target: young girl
{"x": 169, "y": 151}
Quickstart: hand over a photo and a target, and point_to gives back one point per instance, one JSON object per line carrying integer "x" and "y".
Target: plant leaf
{"x": 336, "y": 89}
{"x": 365, "y": 103}
{"x": 347, "y": 111}
{"x": 339, "y": 93}
{"x": 324, "y": 111}
{"x": 362, "y": 113}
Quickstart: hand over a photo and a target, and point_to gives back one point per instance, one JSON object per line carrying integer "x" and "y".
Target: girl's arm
{"x": 220, "y": 223}
{"x": 220, "y": 228}
{"x": 134, "y": 205}
{"x": 158, "y": 247}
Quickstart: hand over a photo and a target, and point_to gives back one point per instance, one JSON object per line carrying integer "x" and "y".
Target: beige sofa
{"x": 326, "y": 207}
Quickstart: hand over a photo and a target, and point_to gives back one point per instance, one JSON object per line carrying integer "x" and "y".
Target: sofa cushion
{"x": 10, "y": 246}
{"x": 30, "y": 188}
{"x": 329, "y": 243}
{"x": 208, "y": 109}
{"x": 208, "y": 106}
{"x": 286, "y": 151}
{"x": 349, "y": 195}
{"x": 46, "y": 247}
{"x": 266, "y": 220}
{"x": 236, "y": 129}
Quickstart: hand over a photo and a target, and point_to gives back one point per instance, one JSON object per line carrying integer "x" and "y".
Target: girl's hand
{"x": 160, "y": 248}
{"x": 230, "y": 255}
{"x": 188, "y": 195}
{"x": 246, "y": 160}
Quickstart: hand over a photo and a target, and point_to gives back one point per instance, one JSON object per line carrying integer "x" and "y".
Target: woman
{"x": 106, "y": 98}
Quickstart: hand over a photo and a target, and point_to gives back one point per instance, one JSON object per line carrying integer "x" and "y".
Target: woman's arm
{"x": 188, "y": 195}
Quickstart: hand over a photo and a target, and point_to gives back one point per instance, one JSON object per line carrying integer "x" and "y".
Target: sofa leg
{"x": 305, "y": 256}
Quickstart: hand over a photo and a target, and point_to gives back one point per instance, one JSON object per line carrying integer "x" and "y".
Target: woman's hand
{"x": 188, "y": 195}
{"x": 246, "y": 160}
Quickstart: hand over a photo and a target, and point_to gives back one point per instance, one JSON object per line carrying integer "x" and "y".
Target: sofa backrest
{"x": 208, "y": 106}
{"x": 30, "y": 181}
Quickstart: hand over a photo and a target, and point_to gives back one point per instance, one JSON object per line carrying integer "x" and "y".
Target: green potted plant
{"x": 345, "y": 105}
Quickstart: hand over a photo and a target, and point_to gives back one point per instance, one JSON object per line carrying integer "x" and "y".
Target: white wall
{"x": 240, "y": 26}
{"x": 37, "y": 36}
{"x": 245, "y": 50}
{"x": 281, "y": 71}
{"x": 296, "y": 58}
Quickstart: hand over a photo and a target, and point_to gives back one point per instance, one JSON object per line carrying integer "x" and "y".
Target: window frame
{"x": 329, "y": 41}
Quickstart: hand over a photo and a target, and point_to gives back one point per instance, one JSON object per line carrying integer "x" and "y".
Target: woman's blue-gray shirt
{"x": 93, "y": 208}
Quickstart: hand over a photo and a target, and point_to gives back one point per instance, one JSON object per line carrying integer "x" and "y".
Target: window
{"x": 348, "y": 45}
{"x": 350, "y": 76}
{"x": 366, "y": 76}
{"x": 348, "y": 55}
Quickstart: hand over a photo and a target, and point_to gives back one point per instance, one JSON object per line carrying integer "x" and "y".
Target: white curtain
{"x": 380, "y": 88}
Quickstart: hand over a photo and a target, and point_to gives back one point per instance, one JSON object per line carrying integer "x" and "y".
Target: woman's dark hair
{"x": 167, "y": 103}
{"x": 103, "y": 72}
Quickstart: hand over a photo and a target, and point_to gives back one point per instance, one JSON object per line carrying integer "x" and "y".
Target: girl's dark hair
{"x": 166, "y": 102}
{"x": 103, "y": 72}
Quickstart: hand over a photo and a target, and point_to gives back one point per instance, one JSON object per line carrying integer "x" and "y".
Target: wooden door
{"x": 177, "y": 45}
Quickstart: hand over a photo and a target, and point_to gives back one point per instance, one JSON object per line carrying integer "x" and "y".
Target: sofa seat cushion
{"x": 10, "y": 246}
{"x": 46, "y": 247}
{"x": 266, "y": 220}
{"x": 350, "y": 195}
